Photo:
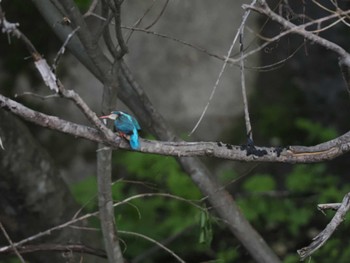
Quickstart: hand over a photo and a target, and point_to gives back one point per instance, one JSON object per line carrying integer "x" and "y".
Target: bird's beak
{"x": 104, "y": 117}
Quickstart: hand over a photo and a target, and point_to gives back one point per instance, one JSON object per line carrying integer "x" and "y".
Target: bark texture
{"x": 43, "y": 200}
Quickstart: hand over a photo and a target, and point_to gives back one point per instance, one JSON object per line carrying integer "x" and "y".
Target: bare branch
{"x": 344, "y": 57}
{"x": 199, "y": 48}
{"x": 91, "y": 9}
{"x": 1, "y": 145}
{"x": 243, "y": 86}
{"x": 105, "y": 203}
{"x": 89, "y": 43}
{"x": 290, "y": 154}
{"x": 155, "y": 242}
{"x": 79, "y": 248}
{"x": 322, "y": 237}
{"x": 12, "y": 29}
{"x": 44, "y": 69}
{"x": 62, "y": 49}
{"x": 245, "y": 17}
{"x": 159, "y": 16}
{"x": 117, "y": 18}
{"x": 88, "y": 215}
{"x": 331, "y": 206}
{"x": 11, "y": 243}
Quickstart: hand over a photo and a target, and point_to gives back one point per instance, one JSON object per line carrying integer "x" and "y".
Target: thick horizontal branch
{"x": 249, "y": 153}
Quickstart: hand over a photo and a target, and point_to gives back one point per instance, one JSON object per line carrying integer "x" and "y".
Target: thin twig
{"x": 41, "y": 65}
{"x": 201, "y": 49}
{"x": 62, "y": 49}
{"x": 1, "y": 144}
{"x": 138, "y": 22}
{"x": 155, "y": 242}
{"x": 123, "y": 49}
{"x": 59, "y": 248}
{"x": 159, "y": 16}
{"x": 37, "y": 95}
{"x": 88, "y": 215}
{"x": 243, "y": 86}
{"x": 344, "y": 56}
{"x": 330, "y": 206}
{"x": 245, "y": 17}
{"x": 11, "y": 243}
{"x": 91, "y": 9}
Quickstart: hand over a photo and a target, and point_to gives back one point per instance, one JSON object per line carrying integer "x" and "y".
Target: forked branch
{"x": 321, "y": 238}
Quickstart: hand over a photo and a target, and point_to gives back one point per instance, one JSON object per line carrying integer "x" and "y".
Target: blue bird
{"x": 127, "y": 126}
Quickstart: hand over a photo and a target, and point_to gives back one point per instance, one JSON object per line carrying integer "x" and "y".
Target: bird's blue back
{"x": 128, "y": 125}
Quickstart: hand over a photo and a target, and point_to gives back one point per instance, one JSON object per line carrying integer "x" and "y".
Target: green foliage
{"x": 291, "y": 259}
{"x": 85, "y": 193}
{"x": 289, "y": 216}
{"x": 271, "y": 118}
{"x": 83, "y": 4}
{"x": 155, "y": 216}
{"x": 206, "y": 231}
{"x": 315, "y": 131}
{"x": 260, "y": 183}
{"x": 333, "y": 251}
{"x": 227, "y": 256}
{"x": 162, "y": 171}
{"x": 270, "y": 212}
{"x": 314, "y": 179}
{"x": 13, "y": 259}
{"x": 292, "y": 214}
{"x": 170, "y": 216}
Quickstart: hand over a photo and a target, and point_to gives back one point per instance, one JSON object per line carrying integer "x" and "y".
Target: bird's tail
{"x": 134, "y": 140}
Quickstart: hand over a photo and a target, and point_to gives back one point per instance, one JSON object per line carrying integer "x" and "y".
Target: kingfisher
{"x": 127, "y": 127}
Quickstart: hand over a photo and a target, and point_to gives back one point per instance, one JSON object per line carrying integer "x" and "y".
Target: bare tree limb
{"x": 78, "y": 248}
{"x": 104, "y": 157}
{"x": 108, "y": 225}
{"x": 344, "y": 57}
{"x": 301, "y": 29}
{"x": 322, "y": 237}
{"x": 44, "y": 69}
{"x": 123, "y": 49}
{"x": 88, "y": 215}
{"x": 1, "y": 145}
{"x": 15, "y": 250}
{"x": 155, "y": 242}
{"x": 104, "y": 170}
{"x": 290, "y": 154}
{"x": 159, "y": 16}
{"x": 243, "y": 86}
{"x": 330, "y": 206}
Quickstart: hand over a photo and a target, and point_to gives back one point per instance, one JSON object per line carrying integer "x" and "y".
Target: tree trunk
{"x": 43, "y": 199}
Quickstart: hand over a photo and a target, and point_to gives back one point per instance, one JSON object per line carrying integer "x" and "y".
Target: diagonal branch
{"x": 344, "y": 57}
{"x": 15, "y": 250}
{"x": 322, "y": 237}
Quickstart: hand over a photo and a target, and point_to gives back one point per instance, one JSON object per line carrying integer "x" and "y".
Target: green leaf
{"x": 83, "y": 4}
{"x": 315, "y": 131}
{"x": 206, "y": 231}
{"x": 260, "y": 183}
{"x": 84, "y": 193}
